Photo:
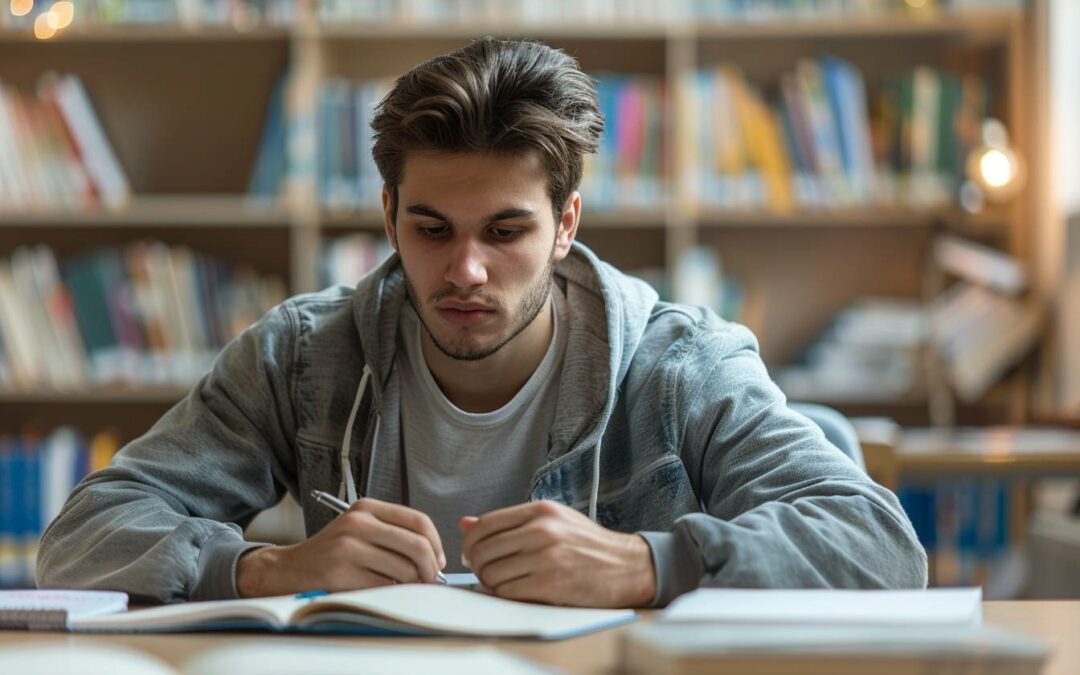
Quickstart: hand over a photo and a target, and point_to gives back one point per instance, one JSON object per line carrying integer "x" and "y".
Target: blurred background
{"x": 884, "y": 191}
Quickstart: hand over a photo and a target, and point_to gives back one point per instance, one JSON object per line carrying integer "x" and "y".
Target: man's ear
{"x": 567, "y": 226}
{"x": 388, "y": 217}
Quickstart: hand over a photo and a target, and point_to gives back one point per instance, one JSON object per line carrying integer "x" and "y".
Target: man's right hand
{"x": 374, "y": 543}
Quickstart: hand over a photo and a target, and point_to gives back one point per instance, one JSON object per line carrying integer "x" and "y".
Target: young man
{"x": 498, "y": 398}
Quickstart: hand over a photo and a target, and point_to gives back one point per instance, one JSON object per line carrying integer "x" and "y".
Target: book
{"x": 36, "y": 610}
{"x": 147, "y": 313}
{"x": 916, "y": 608}
{"x": 699, "y": 649}
{"x": 102, "y": 165}
{"x": 37, "y": 473}
{"x": 404, "y": 609}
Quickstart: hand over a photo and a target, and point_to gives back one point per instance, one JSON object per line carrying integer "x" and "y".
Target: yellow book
{"x": 103, "y": 446}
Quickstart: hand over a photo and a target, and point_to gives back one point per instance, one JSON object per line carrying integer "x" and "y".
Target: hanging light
{"x": 994, "y": 168}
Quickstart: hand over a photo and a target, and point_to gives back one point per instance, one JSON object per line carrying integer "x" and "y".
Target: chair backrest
{"x": 837, "y": 429}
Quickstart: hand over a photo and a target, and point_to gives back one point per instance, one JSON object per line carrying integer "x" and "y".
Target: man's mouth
{"x": 464, "y": 313}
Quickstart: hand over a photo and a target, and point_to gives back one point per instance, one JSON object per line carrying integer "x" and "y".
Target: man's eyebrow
{"x": 505, "y": 214}
{"x": 511, "y": 213}
{"x": 425, "y": 210}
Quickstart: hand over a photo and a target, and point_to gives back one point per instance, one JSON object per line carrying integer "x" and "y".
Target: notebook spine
{"x": 33, "y": 619}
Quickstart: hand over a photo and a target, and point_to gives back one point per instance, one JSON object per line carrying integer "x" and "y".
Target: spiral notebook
{"x": 56, "y": 610}
{"x": 404, "y": 609}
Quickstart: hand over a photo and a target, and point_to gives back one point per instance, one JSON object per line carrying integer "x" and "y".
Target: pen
{"x": 338, "y": 506}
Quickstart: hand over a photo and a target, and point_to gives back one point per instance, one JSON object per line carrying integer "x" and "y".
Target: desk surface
{"x": 990, "y": 450}
{"x": 596, "y": 654}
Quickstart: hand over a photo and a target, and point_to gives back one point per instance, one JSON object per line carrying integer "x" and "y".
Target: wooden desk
{"x": 993, "y": 451}
{"x": 596, "y": 654}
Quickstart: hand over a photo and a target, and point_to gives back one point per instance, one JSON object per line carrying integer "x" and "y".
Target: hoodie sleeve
{"x": 163, "y": 521}
{"x": 784, "y": 508}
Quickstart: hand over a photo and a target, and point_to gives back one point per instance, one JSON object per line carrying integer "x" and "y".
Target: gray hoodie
{"x": 667, "y": 424}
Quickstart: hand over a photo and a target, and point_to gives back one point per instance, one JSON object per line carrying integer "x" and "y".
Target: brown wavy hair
{"x": 494, "y": 96}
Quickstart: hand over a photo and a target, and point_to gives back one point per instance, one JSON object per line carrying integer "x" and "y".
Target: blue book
{"x": 270, "y": 165}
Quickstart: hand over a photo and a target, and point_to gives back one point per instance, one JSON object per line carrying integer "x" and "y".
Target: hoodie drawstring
{"x": 595, "y": 492}
{"x": 347, "y": 491}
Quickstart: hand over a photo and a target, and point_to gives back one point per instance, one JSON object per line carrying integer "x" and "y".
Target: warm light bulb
{"x": 43, "y": 29}
{"x": 63, "y": 13}
{"x": 996, "y": 168}
{"x": 21, "y": 7}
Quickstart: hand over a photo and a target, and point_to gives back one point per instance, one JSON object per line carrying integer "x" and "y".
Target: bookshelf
{"x": 183, "y": 107}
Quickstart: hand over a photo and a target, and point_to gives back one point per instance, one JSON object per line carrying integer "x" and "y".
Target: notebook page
{"x": 938, "y": 606}
{"x": 456, "y": 611}
{"x": 274, "y": 611}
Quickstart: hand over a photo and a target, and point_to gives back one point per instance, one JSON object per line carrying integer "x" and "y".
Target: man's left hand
{"x": 547, "y": 552}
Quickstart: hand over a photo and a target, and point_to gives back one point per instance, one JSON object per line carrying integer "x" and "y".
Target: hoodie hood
{"x": 609, "y": 312}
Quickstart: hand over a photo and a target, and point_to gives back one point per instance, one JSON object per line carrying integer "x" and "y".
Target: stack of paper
{"x": 807, "y": 632}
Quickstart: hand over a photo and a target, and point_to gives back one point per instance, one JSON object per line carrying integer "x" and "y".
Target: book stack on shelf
{"x": 53, "y": 151}
{"x": 638, "y": 11}
{"x": 963, "y": 523}
{"x": 818, "y": 146}
{"x": 872, "y": 351}
{"x": 348, "y": 177}
{"x": 36, "y": 475}
{"x": 188, "y": 13}
{"x": 882, "y": 349}
{"x": 147, "y": 315}
{"x": 625, "y": 173}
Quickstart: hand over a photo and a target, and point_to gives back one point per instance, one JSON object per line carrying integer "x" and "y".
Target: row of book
{"x": 240, "y": 13}
{"x": 963, "y": 523}
{"x": 818, "y": 145}
{"x": 626, "y": 172}
{"x": 633, "y": 11}
{"x": 37, "y": 473}
{"x": 980, "y": 324}
{"x": 54, "y": 152}
{"x": 147, "y": 314}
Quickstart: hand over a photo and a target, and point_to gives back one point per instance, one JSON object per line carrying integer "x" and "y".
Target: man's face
{"x": 478, "y": 241}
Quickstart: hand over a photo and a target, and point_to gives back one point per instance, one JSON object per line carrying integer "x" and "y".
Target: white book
{"x": 704, "y": 649}
{"x": 933, "y": 607}
{"x": 101, "y": 163}
{"x": 403, "y": 609}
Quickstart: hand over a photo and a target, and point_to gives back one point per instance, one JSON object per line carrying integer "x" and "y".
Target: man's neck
{"x": 490, "y": 383}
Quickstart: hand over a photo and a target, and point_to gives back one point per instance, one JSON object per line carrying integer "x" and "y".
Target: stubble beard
{"x": 527, "y": 311}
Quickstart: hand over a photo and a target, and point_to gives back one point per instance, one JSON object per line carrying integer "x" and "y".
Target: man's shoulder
{"x": 694, "y": 327}
{"x": 313, "y": 310}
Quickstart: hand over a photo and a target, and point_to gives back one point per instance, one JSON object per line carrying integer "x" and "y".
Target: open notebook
{"x": 406, "y": 609}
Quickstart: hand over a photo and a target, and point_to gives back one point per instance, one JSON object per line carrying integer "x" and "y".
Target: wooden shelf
{"x": 155, "y": 395}
{"x": 441, "y": 31}
{"x": 862, "y": 217}
{"x": 164, "y": 33}
{"x": 1001, "y": 451}
{"x": 149, "y": 211}
{"x": 992, "y": 25}
{"x": 980, "y": 25}
{"x": 371, "y": 219}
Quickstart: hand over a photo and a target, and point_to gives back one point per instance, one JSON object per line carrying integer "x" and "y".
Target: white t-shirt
{"x": 466, "y": 464}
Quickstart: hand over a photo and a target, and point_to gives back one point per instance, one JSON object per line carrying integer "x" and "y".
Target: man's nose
{"x": 466, "y": 267}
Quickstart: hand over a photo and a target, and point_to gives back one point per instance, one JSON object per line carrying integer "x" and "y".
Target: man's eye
{"x": 503, "y": 234}
{"x": 433, "y": 230}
